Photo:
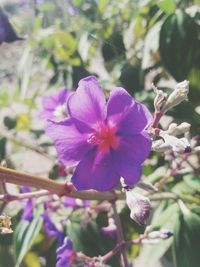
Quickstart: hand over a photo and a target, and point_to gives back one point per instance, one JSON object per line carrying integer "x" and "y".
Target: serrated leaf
{"x": 193, "y": 181}
{"x": 24, "y": 236}
{"x": 178, "y": 43}
{"x": 187, "y": 240}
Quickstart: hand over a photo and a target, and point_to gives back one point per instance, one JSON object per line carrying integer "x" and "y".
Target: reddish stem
{"x": 156, "y": 119}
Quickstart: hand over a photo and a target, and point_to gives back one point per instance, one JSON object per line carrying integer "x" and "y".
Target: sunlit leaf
{"x": 32, "y": 260}
{"x": 193, "y": 181}
{"x": 168, "y": 6}
{"x": 24, "y": 236}
{"x": 165, "y": 216}
{"x": 4, "y": 98}
{"x": 23, "y": 122}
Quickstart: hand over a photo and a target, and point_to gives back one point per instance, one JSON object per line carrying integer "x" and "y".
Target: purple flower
{"x": 55, "y": 105}
{"x": 51, "y": 229}
{"x": 106, "y": 140}
{"x": 110, "y": 230}
{"x": 28, "y": 209}
{"x": 7, "y": 33}
{"x": 65, "y": 253}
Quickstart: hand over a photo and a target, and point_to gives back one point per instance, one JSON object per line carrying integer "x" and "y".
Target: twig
{"x": 156, "y": 119}
{"x": 28, "y": 195}
{"x": 120, "y": 237}
{"x": 113, "y": 251}
{"x": 24, "y": 143}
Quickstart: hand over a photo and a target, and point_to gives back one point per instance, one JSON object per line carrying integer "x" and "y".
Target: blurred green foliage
{"x": 124, "y": 42}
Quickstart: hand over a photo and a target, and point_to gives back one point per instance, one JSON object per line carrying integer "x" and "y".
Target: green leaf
{"x": 24, "y": 236}
{"x": 24, "y": 70}
{"x": 32, "y": 260}
{"x": 187, "y": 240}
{"x": 168, "y": 6}
{"x": 90, "y": 241}
{"x": 102, "y": 5}
{"x": 2, "y": 148}
{"x": 193, "y": 181}
{"x": 4, "y": 99}
{"x": 178, "y": 43}
{"x": 113, "y": 47}
{"x": 65, "y": 45}
{"x": 23, "y": 122}
{"x": 165, "y": 216}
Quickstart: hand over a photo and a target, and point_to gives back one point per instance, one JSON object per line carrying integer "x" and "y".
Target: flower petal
{"x": 71, "y": 143}
{"x": 88, "y": 103}
{"x": 130, "y": 116}
{"x": 129, "y": 156}
{"x": 65, "y": 253}
{"x": 51, "y": 102}
{"x": 95, "y": 171}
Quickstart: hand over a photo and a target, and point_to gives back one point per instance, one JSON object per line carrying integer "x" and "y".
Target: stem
{"x": 52, "y": 187}
{"x": 62, "y": 189}
{"x": 156, "y": 119}
{"x": 113, "y": 251}
{"x": 24, "y": 143}
{"x": 34, "y": 194}
{"x": 120, "y": 237}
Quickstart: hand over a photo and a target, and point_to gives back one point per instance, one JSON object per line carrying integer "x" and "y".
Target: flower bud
{"x": 165, "y": 233}
{"x": 180, "y": 145}
{"x": 160, "y": 99}
{"x": 175, "y": 129}
{"x": 160, "y": 146}
{"x": 139, "y": 205}
{"x": 177, "y": 96}
{"x": 110, "y": 230}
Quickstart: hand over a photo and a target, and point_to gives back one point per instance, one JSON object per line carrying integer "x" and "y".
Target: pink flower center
{"x": 104, "y": 137}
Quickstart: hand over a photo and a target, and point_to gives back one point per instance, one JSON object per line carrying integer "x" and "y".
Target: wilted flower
{"x": 65, "y": 253}
{"x": 106, "y": 140}
{"x": 5, "y": 224}
{"x": 110, "y": 230}
{"x": 139, "y": 205}
{"x": 55, "y": 105}
{"x": 51, "y": 229}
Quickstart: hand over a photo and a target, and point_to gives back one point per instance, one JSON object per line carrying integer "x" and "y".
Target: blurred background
{"x": 48, "y": 44}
